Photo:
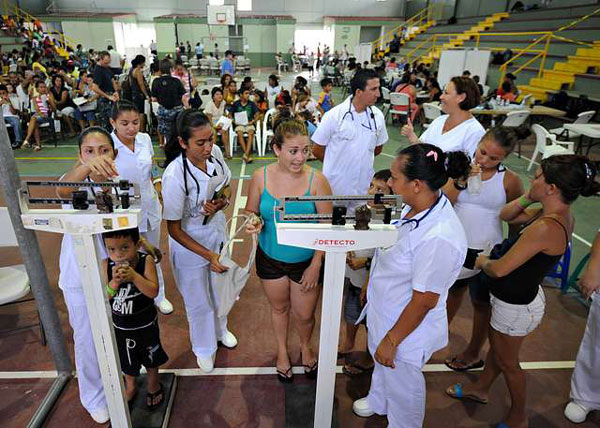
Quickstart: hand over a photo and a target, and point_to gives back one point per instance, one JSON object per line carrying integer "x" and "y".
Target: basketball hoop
{"x": 221, "y": 18}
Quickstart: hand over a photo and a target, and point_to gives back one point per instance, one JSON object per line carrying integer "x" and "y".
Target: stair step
{"x": 588, "y": 52}
{"x": 538, "y": 93}
{"x": 569, "y": 67}
{"x": 567, "y": 76}
{"x": 555, "y": 85}
{"x": 593, "y": 61}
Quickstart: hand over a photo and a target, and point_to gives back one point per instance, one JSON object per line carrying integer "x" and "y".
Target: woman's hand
{"x": 103, "y": 166}
{"x": 212, "y": 207}
{"x": 475, "y": 170}
{"x": 255, "y": 225}
{"x": 480, "y": 261}
{"x": 589, "y": 282}
{"x": 409, "y": 132}
{"x": 385, "y": 353}
{"x": 215, "y": 264}
{"x": 310, "y": 277}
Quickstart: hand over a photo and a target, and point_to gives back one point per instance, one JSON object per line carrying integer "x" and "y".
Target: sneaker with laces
{"x": 206, "y": 364}
{"x": 361, "y": 408}
{"x": 100, "y": 416}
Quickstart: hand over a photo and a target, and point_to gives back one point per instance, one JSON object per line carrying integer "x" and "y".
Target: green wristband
{"x": 524, "y": 202}
{"x": 111, "y": 292}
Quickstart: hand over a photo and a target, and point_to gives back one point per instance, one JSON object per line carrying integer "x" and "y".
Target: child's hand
{"x": 125, "y": 273}
{"x": 356, "y": 263}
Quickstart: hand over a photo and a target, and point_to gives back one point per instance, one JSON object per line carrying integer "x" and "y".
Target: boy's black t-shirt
{"x": 103, "y": 77}
{"x": 168, "y": 91}
{"x": 131, "y": 309}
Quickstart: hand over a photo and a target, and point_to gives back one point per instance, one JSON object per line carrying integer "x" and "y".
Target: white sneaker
{"x": 100, "y": 416}
{"x": 206, "y": 364}
{"x": 575, "y": 412}
{"x": 164, "y": 306}
{"x": 228, "y": 340}
{"x": 361, "y": 408}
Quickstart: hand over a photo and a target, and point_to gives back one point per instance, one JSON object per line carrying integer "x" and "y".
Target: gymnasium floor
{"x": 243, "y": 390}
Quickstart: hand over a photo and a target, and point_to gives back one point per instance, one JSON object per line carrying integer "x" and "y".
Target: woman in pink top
{"x": 405, "y": 87}
{"x": 187, "y": 79}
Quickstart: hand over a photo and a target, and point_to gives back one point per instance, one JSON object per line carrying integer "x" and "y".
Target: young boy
{"x": 132, "y": 287}
{"x": 325, "y": 99}
{"x": 357, "y": 275}
{"x": 245, "y": 105}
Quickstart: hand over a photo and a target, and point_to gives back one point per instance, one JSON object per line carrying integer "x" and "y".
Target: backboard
{"x": 220, "y": 15}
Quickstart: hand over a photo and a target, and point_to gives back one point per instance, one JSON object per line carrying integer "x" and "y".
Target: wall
{"x": 304, "y": 11}
{"x": 96, "y": 34}
{"x": 346, "y": 35}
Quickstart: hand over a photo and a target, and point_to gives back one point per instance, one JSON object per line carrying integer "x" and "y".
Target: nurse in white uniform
{"x": 409, "y": 282}
{"x": 195, "y": 191}
{"x": 96, "y": 163}
{"x": 349, "y": 137}
{"x": 585, "y": 383}
{"x": 457, "y": 129}
{"x": 134, "y": 163}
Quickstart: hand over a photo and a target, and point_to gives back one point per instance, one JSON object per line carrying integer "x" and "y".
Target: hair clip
{"x": 588, "y": 171}
{"x": 432, "y": 153}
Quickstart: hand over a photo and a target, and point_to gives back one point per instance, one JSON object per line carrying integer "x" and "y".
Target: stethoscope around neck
{"x": 413, "y": 223}
{"x": 186, "y": 171}
{"x": 370, "y": 117}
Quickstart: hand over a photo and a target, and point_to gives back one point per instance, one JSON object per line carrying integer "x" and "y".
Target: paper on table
{"x": 225, "y": 122}
{"x": 241, "y": 118}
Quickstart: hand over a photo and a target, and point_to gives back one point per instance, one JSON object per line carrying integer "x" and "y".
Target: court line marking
{"x": 254, "y": 371}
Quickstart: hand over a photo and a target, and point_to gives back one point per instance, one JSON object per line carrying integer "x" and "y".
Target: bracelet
{"x": 389, "y": 339}
{"x": 458, "y": 186}
{"x": 524, "y": 202}
{"x": 111, "y": 291}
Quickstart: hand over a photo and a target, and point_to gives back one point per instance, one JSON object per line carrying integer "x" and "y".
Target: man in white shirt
{"x": 349, "y": 137}
{"x": 116, "y": 64}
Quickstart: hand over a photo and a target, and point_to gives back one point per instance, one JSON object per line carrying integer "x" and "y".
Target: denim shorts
{"x": 517, "y": 320}
{"x": 352, "y": 306}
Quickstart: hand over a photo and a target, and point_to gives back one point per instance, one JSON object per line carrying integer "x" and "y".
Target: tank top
{"x": 479, "y": 215}
{"x": 520, "y": 287}
{"x": 131, "y": 309}
{"x": 267, "y": 240}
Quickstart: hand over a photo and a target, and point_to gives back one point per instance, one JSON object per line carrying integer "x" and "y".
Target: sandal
{"x": 152, "y": 395}
{"x": 311, "y": 370}
{"x": 455, "y": 391}
{"x": 354, "y": 369}
{"x": 465, "y": 366}
{"x": 285, "y": 376}
{"x": 26, "y": 144}
{"x": 37, "y": 148}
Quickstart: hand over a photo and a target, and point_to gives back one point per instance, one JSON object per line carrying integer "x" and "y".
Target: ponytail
{"x": 185, "y": 123}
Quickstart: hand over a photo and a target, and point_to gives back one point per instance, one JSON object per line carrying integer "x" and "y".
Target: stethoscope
{"x": 413, "y": 223}
{"x": 370, "y": 116}
{"x": 186, "y": 171}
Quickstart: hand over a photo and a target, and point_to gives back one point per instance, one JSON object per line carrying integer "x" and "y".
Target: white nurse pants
{"x": 153, "y": 236}
{"x": 585, "y": 383}
{"x": 89, "y": 379}
{"x": 398, "y": 393}
{"x": 200, "y": 300}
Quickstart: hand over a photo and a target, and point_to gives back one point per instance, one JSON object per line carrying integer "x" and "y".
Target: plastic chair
{"x": 486, "y": 90}
{"x": 582, "y": 118}
{"x": 256, "y": 143}
{"x": 14, "y": 282}
{"x": 385, "y": 108}
{"x": 402, "y": 100}
{"x": 572, "y": 283}
{"x": 431, "y": 111}
{"x": 561, "y": 270}
{"x": 554, "y": 148}
{"x": 267, "y": 132}
{"x": 514, "y": 119}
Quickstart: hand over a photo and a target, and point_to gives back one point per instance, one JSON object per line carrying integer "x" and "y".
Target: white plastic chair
{"x": 14, "y": 282}
{"x": 582, "y": 118}
{"x": 547, "y": 145}
{"x": 486, "y": 90}
{"x": 281, "y": 64}
{"x": 431, "y": 111}
{"x": 256, "y": 143}
{"x": 399, "y": 99}
{"x": 385, "y": 108}
{"x": 267, "y": 132}
{"x": 515, "y": 118}
{"x": 213, "y": 65}
{"x": 204, "y": 65}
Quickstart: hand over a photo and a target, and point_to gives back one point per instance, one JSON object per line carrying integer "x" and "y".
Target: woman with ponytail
{"x": 409, "y": 282}
{"x": 195, "y": 189}
{"x": 289, "y": 275}
{"x": 479, "y": 213}
{"x": 516, "y": 267}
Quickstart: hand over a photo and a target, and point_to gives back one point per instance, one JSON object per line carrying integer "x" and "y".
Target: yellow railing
{"x": 578, "y": 20}
{"x": 414, "y": 21}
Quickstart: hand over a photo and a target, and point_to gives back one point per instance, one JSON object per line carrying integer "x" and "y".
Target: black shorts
{"x": 139, "y": 348}
{"x": 268, "y": 268}
{"x": 479, "y": 290}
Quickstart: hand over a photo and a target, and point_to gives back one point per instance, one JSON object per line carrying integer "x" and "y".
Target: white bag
{"x": 230, "y": 284}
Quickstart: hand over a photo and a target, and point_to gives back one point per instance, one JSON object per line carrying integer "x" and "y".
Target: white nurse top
{"x": 136, "y": 166}
{"x": 350, "y": 139}
{"x": 428, "y": 256}
{"x": 464, "y": 137}
{"x": 188, "y": 208}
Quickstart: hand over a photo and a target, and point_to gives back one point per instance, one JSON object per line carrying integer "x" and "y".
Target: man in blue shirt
{"x": 199, "y": 50}
{"x": 227, "y": 64}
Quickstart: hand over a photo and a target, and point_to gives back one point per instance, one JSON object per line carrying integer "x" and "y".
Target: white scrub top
{"x": 69, "y": 276}
{"x": 136, "y": 166}
{"x": 350, "y": 139}
{"x": 188, "y": 208}
{"x": 464, "y": 137}
{"x": 428, "y": 256}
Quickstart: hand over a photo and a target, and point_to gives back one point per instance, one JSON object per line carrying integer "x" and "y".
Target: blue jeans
{"x": 15, "y": 122}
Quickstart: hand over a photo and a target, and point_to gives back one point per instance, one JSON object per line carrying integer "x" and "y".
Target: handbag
{"x": 230, "y": 284}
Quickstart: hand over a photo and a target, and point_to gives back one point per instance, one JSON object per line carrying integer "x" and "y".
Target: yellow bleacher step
{"x": 547, "y": 83}
{"x": 502, "y": 14}
{"x": 564, "y": 76}
{"x": 590, "y": 60}
{"x": 538, "y": 93}
{"x": 569, "y": 67}
{"x": 588, "y": 52}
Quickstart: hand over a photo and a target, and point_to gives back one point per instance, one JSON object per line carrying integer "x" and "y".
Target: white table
{"x": 590, "y": 130}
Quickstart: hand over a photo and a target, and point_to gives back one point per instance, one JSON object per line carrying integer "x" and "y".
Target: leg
{"x": 15, "y": 122}
{"x": 153, "y": 382}
{"x": 70, "y": 124}
{"x": 240, "y": 137}
{"x": 130, "y": 389}
{"x": 455, "y": 296}
{"x": 405, "y": 395}
{"x": 479, "y": 332}
{"x": 278, "y": 294}
{"x": 37, "y": 135}
{"x": 31, "y": 127}
{"x": 351, "y": 330}
{"x": 249, "y": 143}
{"x": 225, "y": 139}
{"x": 303, "y": 307}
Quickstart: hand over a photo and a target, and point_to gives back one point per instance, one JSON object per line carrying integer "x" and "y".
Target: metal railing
{"x": 414, "y": 21}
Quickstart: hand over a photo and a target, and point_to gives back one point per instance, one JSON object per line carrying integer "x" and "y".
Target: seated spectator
{"x": 433, "y": 88}
{"x": 507, "y": 93}
{"x": 273, "y": 88}
{"x": 406, "y": 87}
{"x": 44, "y": 105}
{"x": 240, "y": 106}
{"x": 11, "y": 115}
{"x": 225, "y": 79}
{"x": 392, "y": 65}
{"x": 479, "y": 85}
{"x": 65, "y": 107}
{"x": 230, "y": 94}
{"x": 215, "y": 110}
{"x": 87, "y": 111}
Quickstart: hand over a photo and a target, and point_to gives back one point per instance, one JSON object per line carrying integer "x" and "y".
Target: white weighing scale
{"x": 336, "y": 239}
{"x": 83, "y": 224}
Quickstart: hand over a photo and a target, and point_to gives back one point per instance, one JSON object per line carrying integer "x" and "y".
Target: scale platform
{"x": 141, "y": 416}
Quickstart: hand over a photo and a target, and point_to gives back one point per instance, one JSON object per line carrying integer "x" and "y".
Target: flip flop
{"x": 476, "y": 365}
{"x": 455, "y": 391}
{"x": 285, "y": 376}
{"x": 152, "y": 395}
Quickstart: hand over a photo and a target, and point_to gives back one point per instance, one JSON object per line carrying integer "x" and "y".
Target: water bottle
{"x": 474, "y": 184}
{"x": 498, "y": 100}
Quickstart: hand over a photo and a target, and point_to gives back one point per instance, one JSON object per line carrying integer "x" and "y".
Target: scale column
{"x": 331, "y": 311}
{"x": 101, "y": 323}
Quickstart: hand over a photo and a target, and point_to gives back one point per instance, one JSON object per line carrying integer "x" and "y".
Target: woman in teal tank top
{"x": 289, "y": 275}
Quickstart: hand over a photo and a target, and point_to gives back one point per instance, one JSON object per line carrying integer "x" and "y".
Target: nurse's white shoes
{"x": 228, "y": 340}
{"x": 361, "y": 408}
{"x": 206, "y": 364}
{"x": 164, "y": 306}
{"x": 575, "y": 412}
{"x": 100, "y": 416}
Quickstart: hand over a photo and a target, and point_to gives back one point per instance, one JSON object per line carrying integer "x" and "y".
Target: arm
{"x": 517, "y": 211}
{"x": 179, "y": 235}
{"x": 102, "y": 165}
{"x": 513, "y": 186}
{"x": 101, "y": 93}
{"x": 409, "y": 132}
{"x": 378, "y": 150}
{"x": 590, "y": 280}
{"x": 141, "y": 83}
{"x": 319, "y": 151}
{"x": 147, "y": 283}
{"x": 116, "y": 88}
{"x": 253, "y": 200}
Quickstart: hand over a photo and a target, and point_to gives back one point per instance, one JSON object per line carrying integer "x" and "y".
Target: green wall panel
{"x": 346, "y": 35}
{"x": 96, "y": 34}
